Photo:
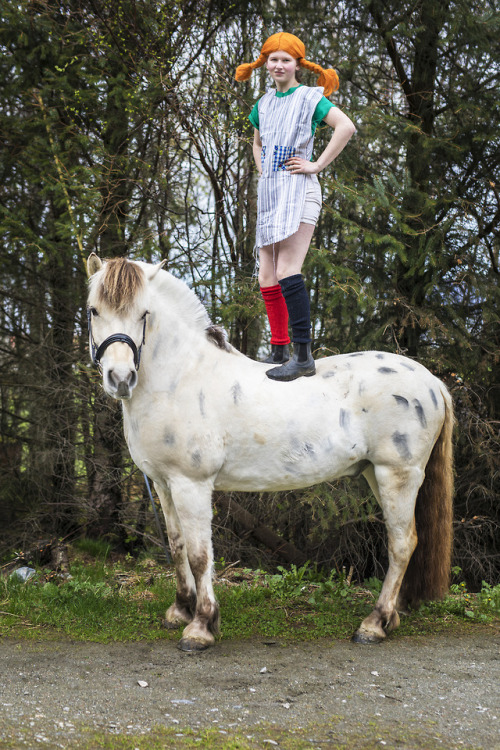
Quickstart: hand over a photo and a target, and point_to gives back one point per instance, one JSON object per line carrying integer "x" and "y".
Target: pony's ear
{"x": 151, "y": 273}
{"x": 94, "y": 264}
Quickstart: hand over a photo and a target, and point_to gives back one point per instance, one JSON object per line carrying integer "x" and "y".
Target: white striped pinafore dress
{"x": 285, "y": 131}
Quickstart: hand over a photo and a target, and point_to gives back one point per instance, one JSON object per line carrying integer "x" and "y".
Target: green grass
{"x": 318, "y": 735}
{"x": 305, "y": 738}
{"x": 94, "y": 548}
{"x": 104, "y": 601}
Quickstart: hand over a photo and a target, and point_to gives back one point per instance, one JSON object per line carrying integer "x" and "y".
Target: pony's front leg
{"x": 182, "y": 610}
{"x": 193, "y": 503}
{"x": 396, "y": 490}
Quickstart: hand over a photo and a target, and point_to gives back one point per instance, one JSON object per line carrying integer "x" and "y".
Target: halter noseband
{"x": 96, "y": 352}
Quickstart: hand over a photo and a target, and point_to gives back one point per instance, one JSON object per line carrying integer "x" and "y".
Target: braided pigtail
{"x": 244, "y": 71}
{"x": 327, "y": 77}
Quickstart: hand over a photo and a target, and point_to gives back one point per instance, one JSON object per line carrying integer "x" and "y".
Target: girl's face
{"x": 282, "y": 68}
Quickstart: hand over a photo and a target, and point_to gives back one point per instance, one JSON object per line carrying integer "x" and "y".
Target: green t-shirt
{"x": 321, "y": 111}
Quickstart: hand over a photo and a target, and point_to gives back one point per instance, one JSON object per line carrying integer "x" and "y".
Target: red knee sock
{"x": 277, "y": 313}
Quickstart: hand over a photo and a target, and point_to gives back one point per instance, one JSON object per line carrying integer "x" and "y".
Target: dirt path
{"x": 409, "y": 692}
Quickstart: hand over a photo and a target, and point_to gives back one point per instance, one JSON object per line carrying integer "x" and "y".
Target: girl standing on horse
{"x": 289, "y": 194}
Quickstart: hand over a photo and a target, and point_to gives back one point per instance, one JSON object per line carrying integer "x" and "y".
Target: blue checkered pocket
{"x": 281, "y": 154}
{"x": 263, "y": 155}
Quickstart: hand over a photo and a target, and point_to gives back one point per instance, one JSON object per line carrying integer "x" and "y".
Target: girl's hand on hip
{"x": 296, "y": 165}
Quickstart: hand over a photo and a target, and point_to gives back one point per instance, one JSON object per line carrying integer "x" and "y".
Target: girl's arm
{"x": 257, "y": 149}
{"x": 343, "y": 128}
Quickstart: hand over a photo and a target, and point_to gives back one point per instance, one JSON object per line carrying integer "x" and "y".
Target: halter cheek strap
{"x": 96, "y": 352}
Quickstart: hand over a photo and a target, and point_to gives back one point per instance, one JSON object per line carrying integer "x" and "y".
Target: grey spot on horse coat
{"x": 196, "y": 459}
{"x": 169, "y": 438}
{"x": 344, "y": 419}
{"x": 420, "y": 412}
{"x": 302, "y": 448}
{"x": 290, "y": 468}
{"x": 236, "y": 393}
{"x": 309, "y": 449}
{"x": 408, "y": 367}
{"x": 379, "y": 356}
{"x": 433, "y": 397}
{"x": 356, "y": 354}
{"x": 387, "y": 370}
{"x": 201, "y": 400}
{"x": 172, "y": 386}
{"x": 299, "y": 450}
{"x": 157, "y": 348}
{"x": 329, "y": 374}
{"x": 400, "y": 440}
{"x": 401, "y": 401}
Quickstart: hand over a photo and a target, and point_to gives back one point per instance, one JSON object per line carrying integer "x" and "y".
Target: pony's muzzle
{"x": 121, "y": 385}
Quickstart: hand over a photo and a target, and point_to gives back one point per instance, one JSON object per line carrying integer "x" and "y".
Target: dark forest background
{"x": 123, "y": 132}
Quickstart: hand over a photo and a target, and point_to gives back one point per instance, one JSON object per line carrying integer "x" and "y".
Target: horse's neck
{"x": 177, "y": 338}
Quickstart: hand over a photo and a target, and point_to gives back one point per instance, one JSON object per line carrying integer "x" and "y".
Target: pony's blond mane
{"x": 119, "y": 284}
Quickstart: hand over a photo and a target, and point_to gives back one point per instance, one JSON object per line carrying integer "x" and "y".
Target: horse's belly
{"x": 296, "y": 464}
{"x": 285, "y": 481}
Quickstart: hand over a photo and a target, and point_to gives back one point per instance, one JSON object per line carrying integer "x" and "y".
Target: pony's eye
{"x": 94, "y": 312}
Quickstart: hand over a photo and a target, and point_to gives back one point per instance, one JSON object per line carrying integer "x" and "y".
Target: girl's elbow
{"x": 348, "y": 130}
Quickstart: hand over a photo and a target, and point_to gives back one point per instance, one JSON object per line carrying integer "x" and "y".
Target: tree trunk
{"x": 263, "y": 534}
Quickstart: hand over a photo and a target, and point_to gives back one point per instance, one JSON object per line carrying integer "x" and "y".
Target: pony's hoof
{"x": 192, "y": 645}
{"x": 366, "y": 639}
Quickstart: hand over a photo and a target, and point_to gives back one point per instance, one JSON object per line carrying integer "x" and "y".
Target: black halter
{"x": 96, "y": 352}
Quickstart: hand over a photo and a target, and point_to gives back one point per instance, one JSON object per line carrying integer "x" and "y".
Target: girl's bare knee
{"x": 267, "y": 280}
{"x": 282, "y": 272}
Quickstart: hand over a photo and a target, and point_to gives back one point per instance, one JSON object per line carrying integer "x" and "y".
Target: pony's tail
{"x": 428, "y": 574}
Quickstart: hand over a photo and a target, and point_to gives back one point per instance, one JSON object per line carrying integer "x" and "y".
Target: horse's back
{"x": 370, "y": 407}
{"x": 376, "y": 388}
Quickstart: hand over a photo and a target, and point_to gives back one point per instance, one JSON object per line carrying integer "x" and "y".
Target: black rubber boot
{"x": 301, "y": 365}
{"x": 280, "y": 353}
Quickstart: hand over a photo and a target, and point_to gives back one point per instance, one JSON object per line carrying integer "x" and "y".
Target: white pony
{"x": 199, "y": 416}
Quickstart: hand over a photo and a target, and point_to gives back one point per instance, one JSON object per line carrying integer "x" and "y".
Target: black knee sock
{"x": 299, "y": 310}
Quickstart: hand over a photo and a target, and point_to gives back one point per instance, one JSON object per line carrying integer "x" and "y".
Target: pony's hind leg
{"x": 181, "y": 612}
{"x": 193, "y": 503}
{"x": 396, "y": 490}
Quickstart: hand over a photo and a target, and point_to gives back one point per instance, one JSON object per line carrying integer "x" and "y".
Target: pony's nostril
{"x": 112, "y": 379}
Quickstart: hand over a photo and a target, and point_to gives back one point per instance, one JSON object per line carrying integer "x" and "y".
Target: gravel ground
{"x": 425, "y": 692}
